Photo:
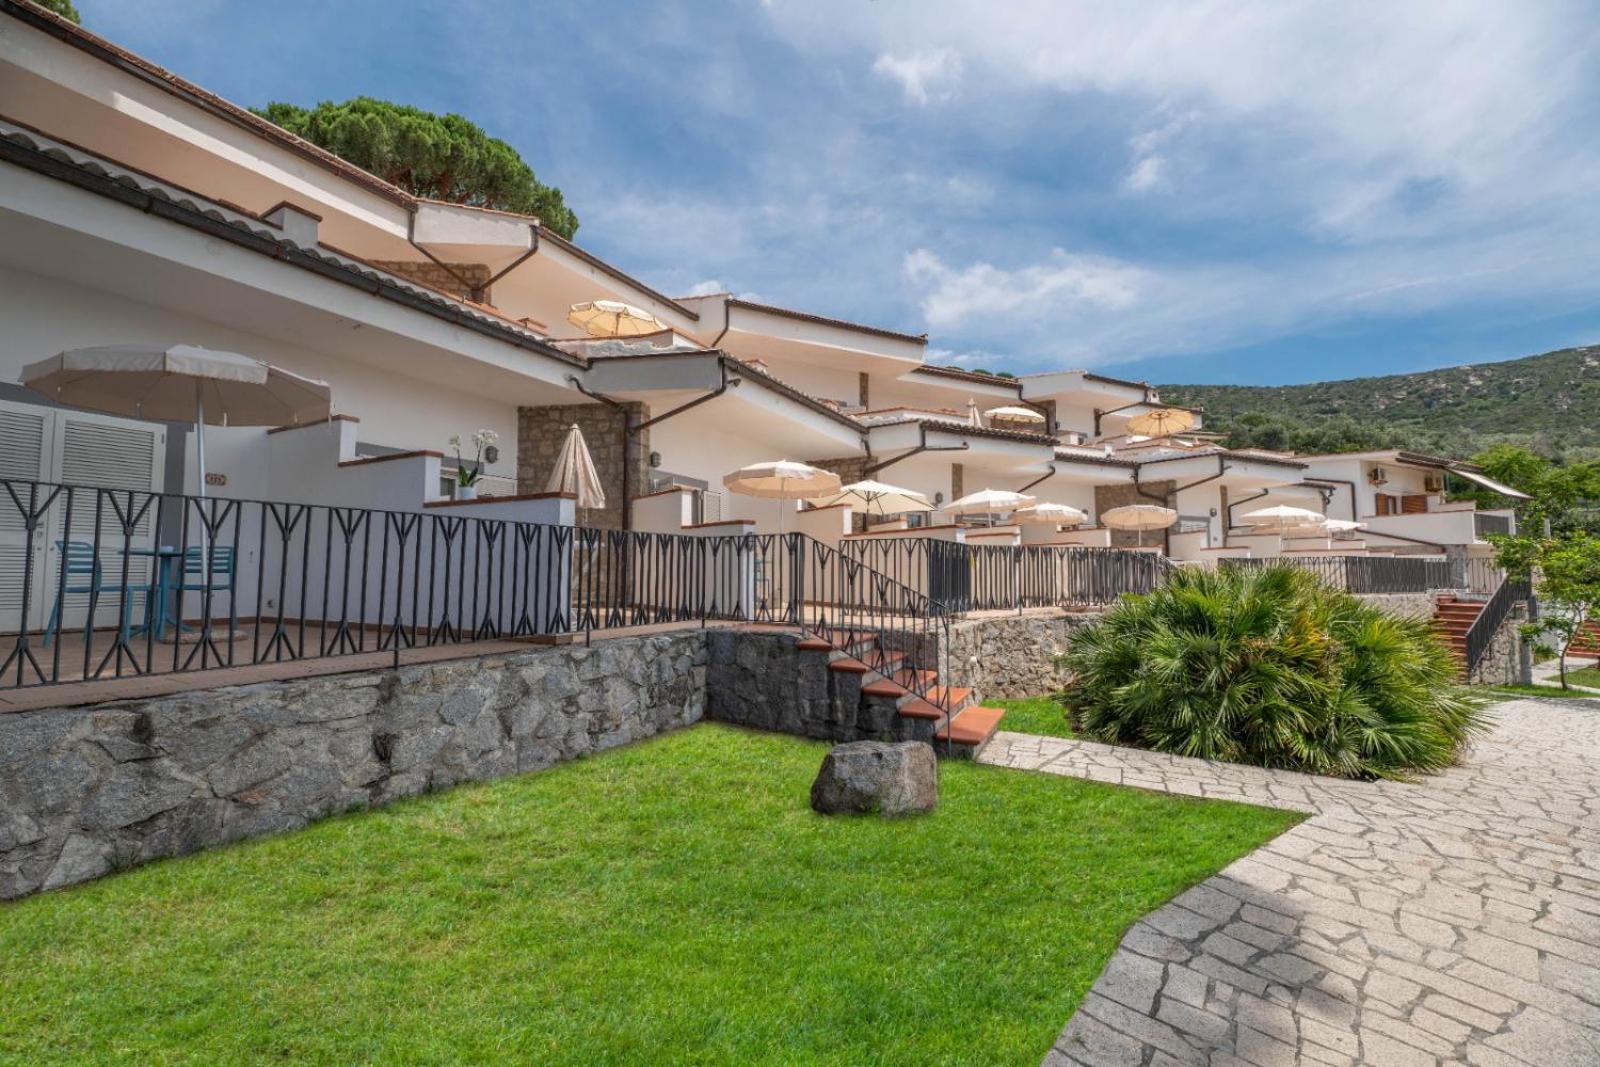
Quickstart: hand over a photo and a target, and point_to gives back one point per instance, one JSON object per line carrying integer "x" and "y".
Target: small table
{"x": 162, "y": 584}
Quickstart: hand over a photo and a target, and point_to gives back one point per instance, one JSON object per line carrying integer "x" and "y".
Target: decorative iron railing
{"x": 1369, "y": 574}
{"x": 1480, "y": 636}
{"x": 966, "y": 578}
{"x": 100, "y": 583}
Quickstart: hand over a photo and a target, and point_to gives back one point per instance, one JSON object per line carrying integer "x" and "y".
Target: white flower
{"x": 455, "y": 440}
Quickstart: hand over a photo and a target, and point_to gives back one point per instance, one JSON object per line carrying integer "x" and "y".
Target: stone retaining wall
{"x": 84, "y": 791}
{"x": 1009, "y": 656}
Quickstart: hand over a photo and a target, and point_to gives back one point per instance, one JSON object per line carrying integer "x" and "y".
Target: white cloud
{"x": 922, "y": 76}
{"x": 1056, "y": 289}
{"x": 1148, "y": 173}
{"x": 708, "y": 287}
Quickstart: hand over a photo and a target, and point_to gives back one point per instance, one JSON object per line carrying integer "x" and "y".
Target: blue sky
{"x": 1193, "y": 191}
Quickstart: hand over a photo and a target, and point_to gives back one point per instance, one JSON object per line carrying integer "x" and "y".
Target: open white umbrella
{"x": 877, "y": 498}
{"x": 1060, "y": 514}
{"x": 180, "y": 383}
{"x": 989, "y": 502}
{"x": 782, "y": 479}
{"x": 1162, "y": 422}
{"x": 1140, "y": 517}
{"x": 574, "y": 473}
{"x": 613, "y": 318}
{"x": 1017, "y": 414}
{"x": 1282, "y": 516}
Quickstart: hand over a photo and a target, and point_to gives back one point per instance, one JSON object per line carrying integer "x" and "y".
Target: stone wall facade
{"x": 475, "y": 276}
{"x": 1402, "y": 605}
{"x": 1009, "y": 656}
{"x": 541, "y": 432}
{"x": 1508, "y": 660}
{"x": 1107, "y": 497}
{"x": 84, "y": 791}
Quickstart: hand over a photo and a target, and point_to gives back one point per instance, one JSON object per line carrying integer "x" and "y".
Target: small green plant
{"x": 1271, "y": 667}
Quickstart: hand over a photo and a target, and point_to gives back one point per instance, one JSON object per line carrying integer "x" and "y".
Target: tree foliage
{"x": 63, "y": 8}
{"x": 1566, "y": 570}
{"x": 1562, "y": 494}
{"x": 443, "y": 157}
{"x": 1270, "y": 666}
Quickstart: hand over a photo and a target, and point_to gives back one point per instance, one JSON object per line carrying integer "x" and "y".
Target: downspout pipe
{"x": 1162, "y": 498}
{"x": 923, "y": 447}
{"x": 630, "y": 431}
{"x": 1098, "y": 414}
{"x": 1043, "y": 477}
{"x": 474, "y": 292}
{"x": 1347, "y": 483}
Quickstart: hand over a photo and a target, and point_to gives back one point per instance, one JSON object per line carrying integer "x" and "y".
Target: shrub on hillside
{"x": 1270, "y": 666}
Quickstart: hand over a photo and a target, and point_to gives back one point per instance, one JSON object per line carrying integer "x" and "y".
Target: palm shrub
{"x": 1270, "y": 666}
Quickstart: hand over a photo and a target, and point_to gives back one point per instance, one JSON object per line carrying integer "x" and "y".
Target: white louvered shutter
{"x": 24, "y": 440}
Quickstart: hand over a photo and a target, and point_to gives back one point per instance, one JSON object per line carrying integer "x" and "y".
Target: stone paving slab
{"x": 1455, "y": 920}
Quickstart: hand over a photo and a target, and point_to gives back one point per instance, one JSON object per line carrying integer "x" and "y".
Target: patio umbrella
{"x": 1016, "y": 413}
{"x": 1282, "y": 516}
{"x": 1140, "y": 517}
{"x": 574, "y": 473}
{"x": 782, "y": 479}
{"x": 613, "y": 318}
{"x": 180, "y": 383}
{"x": 1060, "y": 514}
{"x": 989, "y": 502}
{"x": 1161, "y": 422}
{"x": 877, "y": 498}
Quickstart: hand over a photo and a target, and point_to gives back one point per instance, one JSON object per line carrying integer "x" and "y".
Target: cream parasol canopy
{"x": 1161, "y": 422}
{"x": 574, "y": 473}
{"x": 1017, "y": 414}
{"x": 876, "y": 498}
{"x": 180, "y": 383}
{"x": 613, "y": 318}
{"x": 1282, "y": 516}
{"x": 988, "y": 502}
{"x": 782, "y": 479}
{"x": 1061, "y": 514}
{"x": 1140, "y": 517}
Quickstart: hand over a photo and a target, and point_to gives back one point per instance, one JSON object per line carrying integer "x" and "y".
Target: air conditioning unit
{"x": 1378, "y": 476}
{"x": 1433, "y": 481}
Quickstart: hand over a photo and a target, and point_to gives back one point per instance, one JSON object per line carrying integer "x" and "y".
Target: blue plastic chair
{"x": 82, "y": 564}
{"x": 224, "y": 577}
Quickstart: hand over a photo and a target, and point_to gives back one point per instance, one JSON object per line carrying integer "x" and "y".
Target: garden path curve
{"x": 1451, "y": 921}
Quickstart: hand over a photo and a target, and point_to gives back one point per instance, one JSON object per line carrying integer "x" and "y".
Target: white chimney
{"x": 299, "y": 226}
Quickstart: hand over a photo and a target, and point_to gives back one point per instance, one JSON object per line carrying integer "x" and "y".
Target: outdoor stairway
{"x": 885, "y": 706}
{"x": 1586, "y": 642}
{"x": 1452, "y": 618}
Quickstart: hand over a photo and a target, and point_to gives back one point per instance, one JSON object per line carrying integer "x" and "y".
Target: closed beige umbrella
{"x": 1161, "y": 422}
{"x": 782, "y": 479}
{"x": 1140, "y": 517}
{"x": 574, "y": 473}
{"x": 613, "y": 318}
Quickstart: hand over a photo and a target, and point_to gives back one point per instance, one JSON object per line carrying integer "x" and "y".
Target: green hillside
{"x": 1550, "y": 403}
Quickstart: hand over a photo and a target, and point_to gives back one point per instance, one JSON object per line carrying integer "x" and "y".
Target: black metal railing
{"x": 1484, "y": 524}
{"x": 1480, "y": 636}
{"x": 966, "y": 578}
{"x": 100, "y": 583}
{"x": 1368, "y": 574}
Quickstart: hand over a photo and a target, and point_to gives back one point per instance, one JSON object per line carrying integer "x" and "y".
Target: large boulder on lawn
{"x": 864, "y": 776}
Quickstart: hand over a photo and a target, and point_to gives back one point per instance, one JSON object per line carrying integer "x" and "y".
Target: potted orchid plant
{"x": 467, "y": 477}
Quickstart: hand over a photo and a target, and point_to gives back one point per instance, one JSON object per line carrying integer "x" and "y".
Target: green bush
{"x": 1271, "y": 667}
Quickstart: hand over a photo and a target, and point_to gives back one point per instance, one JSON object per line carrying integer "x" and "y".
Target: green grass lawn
{"x": 1582, "y": 676}
{"x": 1551, "y": 690}
{"x": 675, "y": 901}
{"x": 1034, "y": 715}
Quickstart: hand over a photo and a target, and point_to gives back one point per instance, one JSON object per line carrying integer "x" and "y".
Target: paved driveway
{"x": 1456, "y": 920}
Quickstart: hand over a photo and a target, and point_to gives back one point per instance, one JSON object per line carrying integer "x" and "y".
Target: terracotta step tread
{"x": 911, "y": 679}
{"x": 917, "y": 708}
{"x": 950, "y": 695}
{"x": 883, "y": 687}
{"x": 848, "y": 665}
{"x": 813, "y": 644}
{"x": 973, "y": 726}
